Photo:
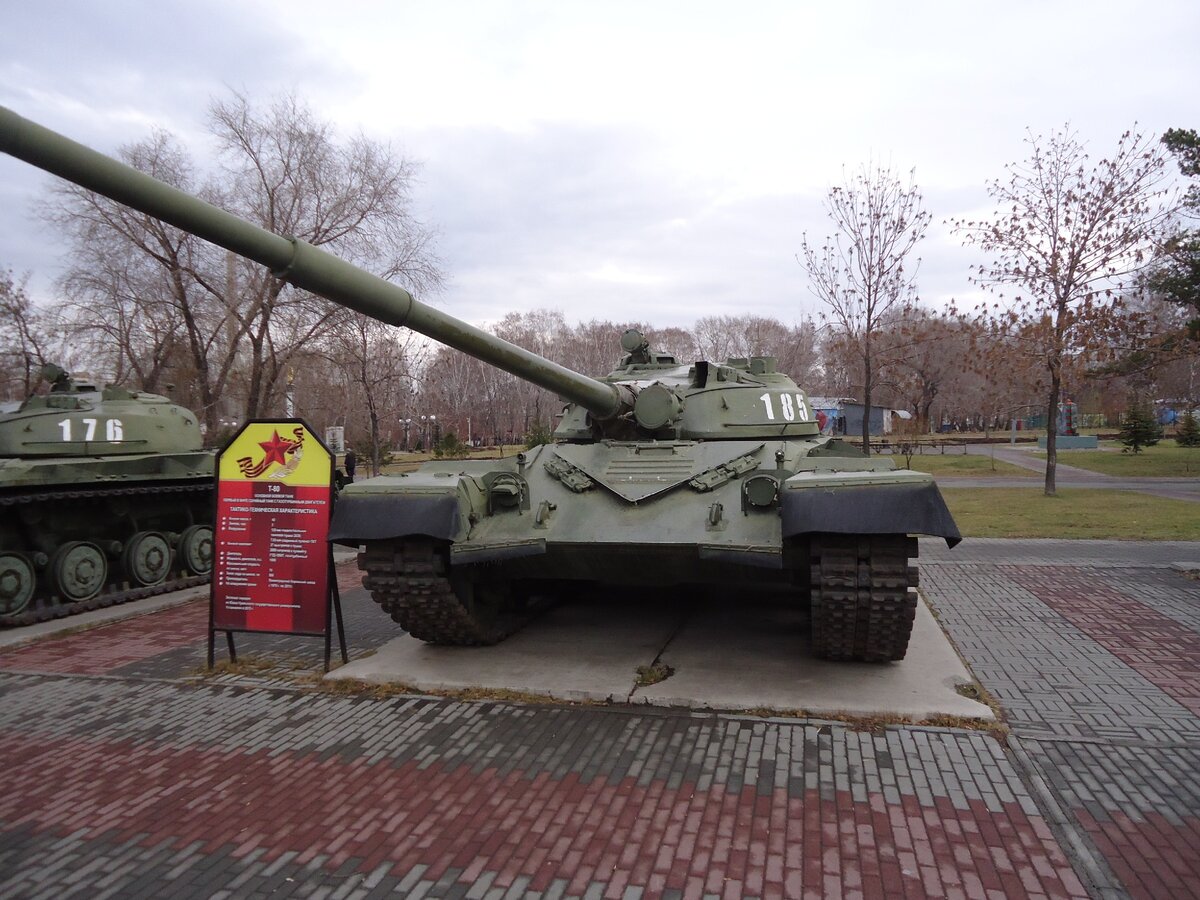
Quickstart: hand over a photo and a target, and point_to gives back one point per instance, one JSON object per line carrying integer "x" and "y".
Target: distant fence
{"x": 1082, "y": 420}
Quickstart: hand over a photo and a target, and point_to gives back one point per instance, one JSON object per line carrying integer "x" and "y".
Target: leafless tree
{"x": 862, "y": 271}
{"x": 164, "y": 300}
{"x": 23, "y": 339}
{"x": 934, "y": 351}
{"x": 1068, "y": 234}
{"x": 374, "y": 367}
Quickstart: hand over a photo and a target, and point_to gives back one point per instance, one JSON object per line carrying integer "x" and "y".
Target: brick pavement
{"x": 145, "y": 782}
{"x": 1098, "y": 671}
{"x": 160, "y": 788}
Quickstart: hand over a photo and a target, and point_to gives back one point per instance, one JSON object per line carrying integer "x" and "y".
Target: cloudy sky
{"x": 626, "y": 160}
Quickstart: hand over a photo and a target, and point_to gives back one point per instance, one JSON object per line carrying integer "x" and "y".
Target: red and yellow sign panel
{"x": 274, "y": 495}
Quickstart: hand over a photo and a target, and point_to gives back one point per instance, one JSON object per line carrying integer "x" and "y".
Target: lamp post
{"x": 424, "y": 432}
{"x": 433, "y": 432}
{"x": 407, "y": 423}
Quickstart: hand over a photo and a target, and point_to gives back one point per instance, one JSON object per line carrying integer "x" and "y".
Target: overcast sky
{"x": 640, "y": 160}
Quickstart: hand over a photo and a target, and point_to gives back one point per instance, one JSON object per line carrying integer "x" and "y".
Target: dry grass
{"x": 965, "y": 465}
{"x": 1165, "y": 459}
{"x": 1080, "y": 513}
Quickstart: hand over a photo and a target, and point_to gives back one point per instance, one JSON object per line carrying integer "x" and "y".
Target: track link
{"x": 50, "y": 609}
{"x": 410, "y": 580}
{"x": 43, "y": 608}
{"x": 863, "y": 596}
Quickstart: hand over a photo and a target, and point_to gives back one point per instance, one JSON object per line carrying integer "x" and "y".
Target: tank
{"x": 106, "y": 497}
{"x": 662, "y": 474}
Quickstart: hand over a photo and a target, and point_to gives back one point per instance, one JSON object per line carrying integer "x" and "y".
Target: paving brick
{"x": 1098, "y": 670}
{"x": 1040, "y": 663}
{"x": 208, "y": 775}
{"x": 149, "y": 785}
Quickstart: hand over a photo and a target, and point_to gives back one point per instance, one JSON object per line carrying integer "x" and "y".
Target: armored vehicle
{"x": 662, "y": 473}
{"x": 105, "y": 495}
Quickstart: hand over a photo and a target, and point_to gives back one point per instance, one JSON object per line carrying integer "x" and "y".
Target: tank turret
{"x": 77, "y": 419}
{"x": 663, "y": 473}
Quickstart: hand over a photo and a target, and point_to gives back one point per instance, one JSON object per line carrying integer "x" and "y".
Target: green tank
{"x": 106, "y": 496}
{"x": 664, "y": 473}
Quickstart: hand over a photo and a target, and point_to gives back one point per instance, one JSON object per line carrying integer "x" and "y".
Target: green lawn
{"x": 962, "y": 464}
{"x": 1164, "y": 460}
{"x": 1073, "y": 513}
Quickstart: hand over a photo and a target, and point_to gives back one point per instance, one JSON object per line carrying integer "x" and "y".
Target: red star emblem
{"x": 275, "y": 448}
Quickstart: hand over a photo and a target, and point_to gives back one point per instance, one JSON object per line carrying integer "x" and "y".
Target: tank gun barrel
{"x": 294, "y": 260}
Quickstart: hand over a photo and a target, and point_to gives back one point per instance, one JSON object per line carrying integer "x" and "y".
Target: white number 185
{"x": 792, "y": 412}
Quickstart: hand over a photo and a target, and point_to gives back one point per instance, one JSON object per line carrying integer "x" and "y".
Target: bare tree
{"x": 860, "y": 272}
{"x": 678, "y": 342}
{"x": 288, "y": 172}
{"x": 135, "y": 295}
{"x": 222, "y": 325}
{"x": 23, "y": 339}
{"x": 375, "y": 366}
{"x": 1068, "y": 234}
{"x": 933, "y": 353}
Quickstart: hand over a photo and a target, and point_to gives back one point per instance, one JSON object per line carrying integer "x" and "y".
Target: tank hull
{"x": 736, "y": 517}
{"x": 79, "y": 533}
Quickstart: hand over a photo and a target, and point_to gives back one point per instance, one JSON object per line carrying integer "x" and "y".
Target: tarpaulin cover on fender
{"x": 869, "y": 509}
{"x": 373, "y": 517}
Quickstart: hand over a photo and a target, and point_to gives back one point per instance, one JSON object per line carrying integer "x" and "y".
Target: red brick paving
{"x": 100, "y": 650}
{"x": 1152, "y": 856}
{"x": 1160, "y": 649}
{"x": 105, "y": 648}
{"x": 467, "y": 822}
{"x": 732, "y": 841}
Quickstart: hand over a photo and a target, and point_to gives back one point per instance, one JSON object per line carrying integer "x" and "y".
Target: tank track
{"x": 863, "y": 592}
{"x": 46, "y": 608}
{"x": 44, "y": 613}
{"x": 409, "y": 580}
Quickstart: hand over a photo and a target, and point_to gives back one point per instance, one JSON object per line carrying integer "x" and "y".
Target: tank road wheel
{"x": 196, "y": 549}
{"x": 863, "y": 602}
{"x": 17, "y": 581}
{"x": 147, "y": 558}
{"x": 411, "y": 580}
{"x": 78, "y": 571}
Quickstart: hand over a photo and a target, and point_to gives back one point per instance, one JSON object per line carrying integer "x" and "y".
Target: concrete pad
{"x": 586, "y": 650}
{"x": 759, "y": 657}
{"x": 756, "y": 656}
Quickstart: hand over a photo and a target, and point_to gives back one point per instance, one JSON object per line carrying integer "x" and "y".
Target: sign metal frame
{"x": 252, "y": 473}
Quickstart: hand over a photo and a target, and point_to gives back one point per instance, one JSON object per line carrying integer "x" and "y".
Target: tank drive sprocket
{"x": 864, "y": 597}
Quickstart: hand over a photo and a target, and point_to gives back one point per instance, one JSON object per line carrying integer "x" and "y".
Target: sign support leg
{"x": 335, "y": 607}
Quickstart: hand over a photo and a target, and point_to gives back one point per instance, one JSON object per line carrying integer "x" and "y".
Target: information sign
{"x": 274, "y": 497}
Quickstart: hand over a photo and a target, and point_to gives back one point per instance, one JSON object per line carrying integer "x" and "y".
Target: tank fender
{"x": 390, "y": 507}
{"x": 872, "y": 507}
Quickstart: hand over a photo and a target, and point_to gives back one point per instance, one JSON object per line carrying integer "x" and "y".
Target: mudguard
{"x": 381, "y": 516}
{"x": 904, "y": 508}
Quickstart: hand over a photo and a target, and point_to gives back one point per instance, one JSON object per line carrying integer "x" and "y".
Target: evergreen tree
{"x": 1140, "y": 428}
{"x": 1189, "y": 431}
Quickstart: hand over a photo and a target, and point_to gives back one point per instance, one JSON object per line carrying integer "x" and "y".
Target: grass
{"x": 409, "y": 462}
{"x": 653, "y": 674}
{"x": 963, "y": 464}
{"x": 1082, "y": 513}
{"x": 1164, "y": 460}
